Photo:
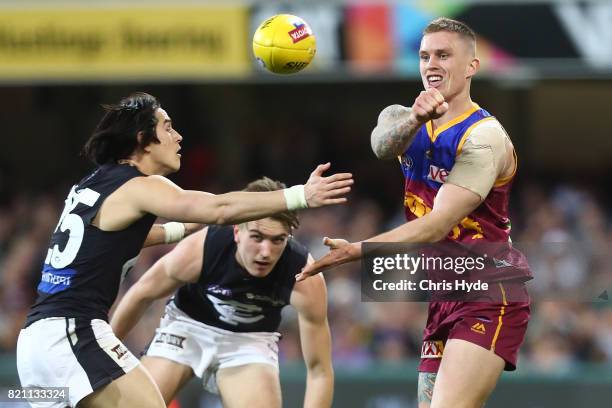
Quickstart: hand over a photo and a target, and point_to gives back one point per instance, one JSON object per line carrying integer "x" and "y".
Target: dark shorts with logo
{"x": 496, "y": 326}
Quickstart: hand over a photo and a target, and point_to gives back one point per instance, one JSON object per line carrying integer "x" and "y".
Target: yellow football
{"x": 284, "y": 44}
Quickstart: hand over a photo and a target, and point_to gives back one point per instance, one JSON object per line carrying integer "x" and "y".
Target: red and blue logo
{"x": 300, "y": 32}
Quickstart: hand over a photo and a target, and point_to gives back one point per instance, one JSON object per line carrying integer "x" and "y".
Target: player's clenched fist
{"x": 429, "y": 105}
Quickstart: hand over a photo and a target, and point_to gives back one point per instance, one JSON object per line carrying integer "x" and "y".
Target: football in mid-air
{"x": 284, "y": 44}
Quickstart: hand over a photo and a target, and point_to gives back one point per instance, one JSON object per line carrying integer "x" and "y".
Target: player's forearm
{"x": 394, "y": 132}
{"x": 232, "y": 208}
{"x": 427, "y": 229}
{"x": 319, "y": 387}
{"x": 159, "y": 234}
{"x": 156, "y": 236}
{"x": 129, "y": 311}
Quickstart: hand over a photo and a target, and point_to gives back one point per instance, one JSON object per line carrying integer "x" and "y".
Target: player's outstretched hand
{"x": 320, "y": 191}
{"x": 430, "y": 104}
{"x": 340, "y": 251}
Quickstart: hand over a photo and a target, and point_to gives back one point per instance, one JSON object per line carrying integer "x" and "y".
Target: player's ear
{"x": 472, "y": 67}
{"x": 236, "y": 231}
{"x": 139, "y": 138}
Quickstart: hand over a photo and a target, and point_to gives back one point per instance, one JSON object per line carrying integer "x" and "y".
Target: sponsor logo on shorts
{"x": 479, "y": 328}
{"x": 119, "y": 350}
{"x": 170, "y": 339}
{"x": 299, "y": 33}
{"x": 432, "y": 349}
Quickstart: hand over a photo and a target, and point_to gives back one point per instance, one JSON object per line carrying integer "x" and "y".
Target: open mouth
{"x": 434, "y": 80}
{"x": 262, "y": 264}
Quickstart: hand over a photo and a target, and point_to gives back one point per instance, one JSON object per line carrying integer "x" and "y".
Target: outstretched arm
{"x": 157, "y": 195}
{"x": 159, "y": 235}
{"x": 451, "y": 205}
{"x": 487, "y": 156}
{"x": 310, "y": 300}
{"x": 181, "y": 265}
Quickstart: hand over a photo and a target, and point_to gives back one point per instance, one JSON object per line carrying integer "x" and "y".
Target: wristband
{"x": 295, "y": 197}
{"x": 174, "y": 232}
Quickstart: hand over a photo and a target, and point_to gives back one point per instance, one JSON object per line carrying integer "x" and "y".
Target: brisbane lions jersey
{"x": 426, "y": 165}
{"x": 228, "y": 297}
{"x": 84, "y": 265}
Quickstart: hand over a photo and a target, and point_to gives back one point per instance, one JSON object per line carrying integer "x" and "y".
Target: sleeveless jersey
{"x": 228, "y": 297}
{"x": 427, "y": 163}
{"x": 84, "y": 265}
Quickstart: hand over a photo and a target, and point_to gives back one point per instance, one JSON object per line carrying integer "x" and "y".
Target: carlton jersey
{"x": 228, "y": 297}
{"x": 84, "y": 265}
{"x": 426, "y": 165}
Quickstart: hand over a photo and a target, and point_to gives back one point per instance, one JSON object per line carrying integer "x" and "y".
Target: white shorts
{"x": 206, "y": 349}
{"x": 81, "y": 354}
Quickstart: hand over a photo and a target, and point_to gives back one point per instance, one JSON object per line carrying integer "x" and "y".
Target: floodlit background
{"x": 546, "y": 74}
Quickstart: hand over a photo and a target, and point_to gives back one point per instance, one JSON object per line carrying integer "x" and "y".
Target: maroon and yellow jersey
{"x": 426, "y": 165}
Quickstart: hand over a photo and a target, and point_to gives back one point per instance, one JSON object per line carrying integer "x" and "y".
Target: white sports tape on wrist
{"x": 296, "y": 198}
{"x": 174, "y": 232}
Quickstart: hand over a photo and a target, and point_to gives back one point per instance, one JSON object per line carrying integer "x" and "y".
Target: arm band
{"x": 295, "y": 197}
{"x": 174, "y": 232}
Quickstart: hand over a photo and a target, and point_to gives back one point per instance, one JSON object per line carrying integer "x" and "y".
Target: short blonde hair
{"x": 452, "y": 26}
{"x": 289, "y": 218}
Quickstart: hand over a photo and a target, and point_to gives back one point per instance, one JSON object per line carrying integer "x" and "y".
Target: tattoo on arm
{"x": 393, "y": 133}
{"x": 425, "y": 387}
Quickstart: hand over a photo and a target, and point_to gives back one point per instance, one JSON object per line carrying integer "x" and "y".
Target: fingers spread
{"x": 339, "y": 184}
{"x": 336, "y": 192}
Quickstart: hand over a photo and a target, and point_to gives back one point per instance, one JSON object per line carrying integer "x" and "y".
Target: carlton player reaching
{"x": 221, "y": 324}
{"x": 66, "y": 341}
{"x": 459, "y": 164}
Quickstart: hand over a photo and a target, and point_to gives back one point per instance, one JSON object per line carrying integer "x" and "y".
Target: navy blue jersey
{"x": 228, "y": 297}
{"x": 84, "y": 265}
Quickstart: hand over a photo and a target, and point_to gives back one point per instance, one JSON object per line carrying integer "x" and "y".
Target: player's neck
{"x": 144, "y": 165}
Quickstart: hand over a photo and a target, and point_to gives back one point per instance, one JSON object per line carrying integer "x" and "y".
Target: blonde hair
{"x": 452, "y": 26}
{"x": 289, "y": 218}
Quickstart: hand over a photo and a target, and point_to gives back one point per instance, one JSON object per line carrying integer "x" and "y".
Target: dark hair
{"x": 450, "y": 25}
{"x": 116, "y": 136}
{"x": 289, "y": 218}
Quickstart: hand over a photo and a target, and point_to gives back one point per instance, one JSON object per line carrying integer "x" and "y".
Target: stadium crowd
{"x": 562, "y": 332}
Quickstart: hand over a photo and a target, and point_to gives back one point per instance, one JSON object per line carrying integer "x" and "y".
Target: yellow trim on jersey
{"x": 433, "y": 135}
{"x": 502, "y": 311}
{"x": 505, "y": 180}
{"x": 469, "y": 131}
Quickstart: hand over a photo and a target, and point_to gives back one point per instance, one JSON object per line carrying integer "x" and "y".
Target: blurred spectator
{"x": 570, "y": 223}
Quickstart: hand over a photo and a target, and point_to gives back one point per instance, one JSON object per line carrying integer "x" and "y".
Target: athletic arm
{"x": 310, "y": 300}
{"x": 451, "y": 205}
{"x": 157, "y": 234}
{"x": 158, "y": 195}
{"x": 398, "y": 124}
{"x": 393, "y": 132}
{"x": 181, "y": 265}
{"x": 487, "y": 156}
